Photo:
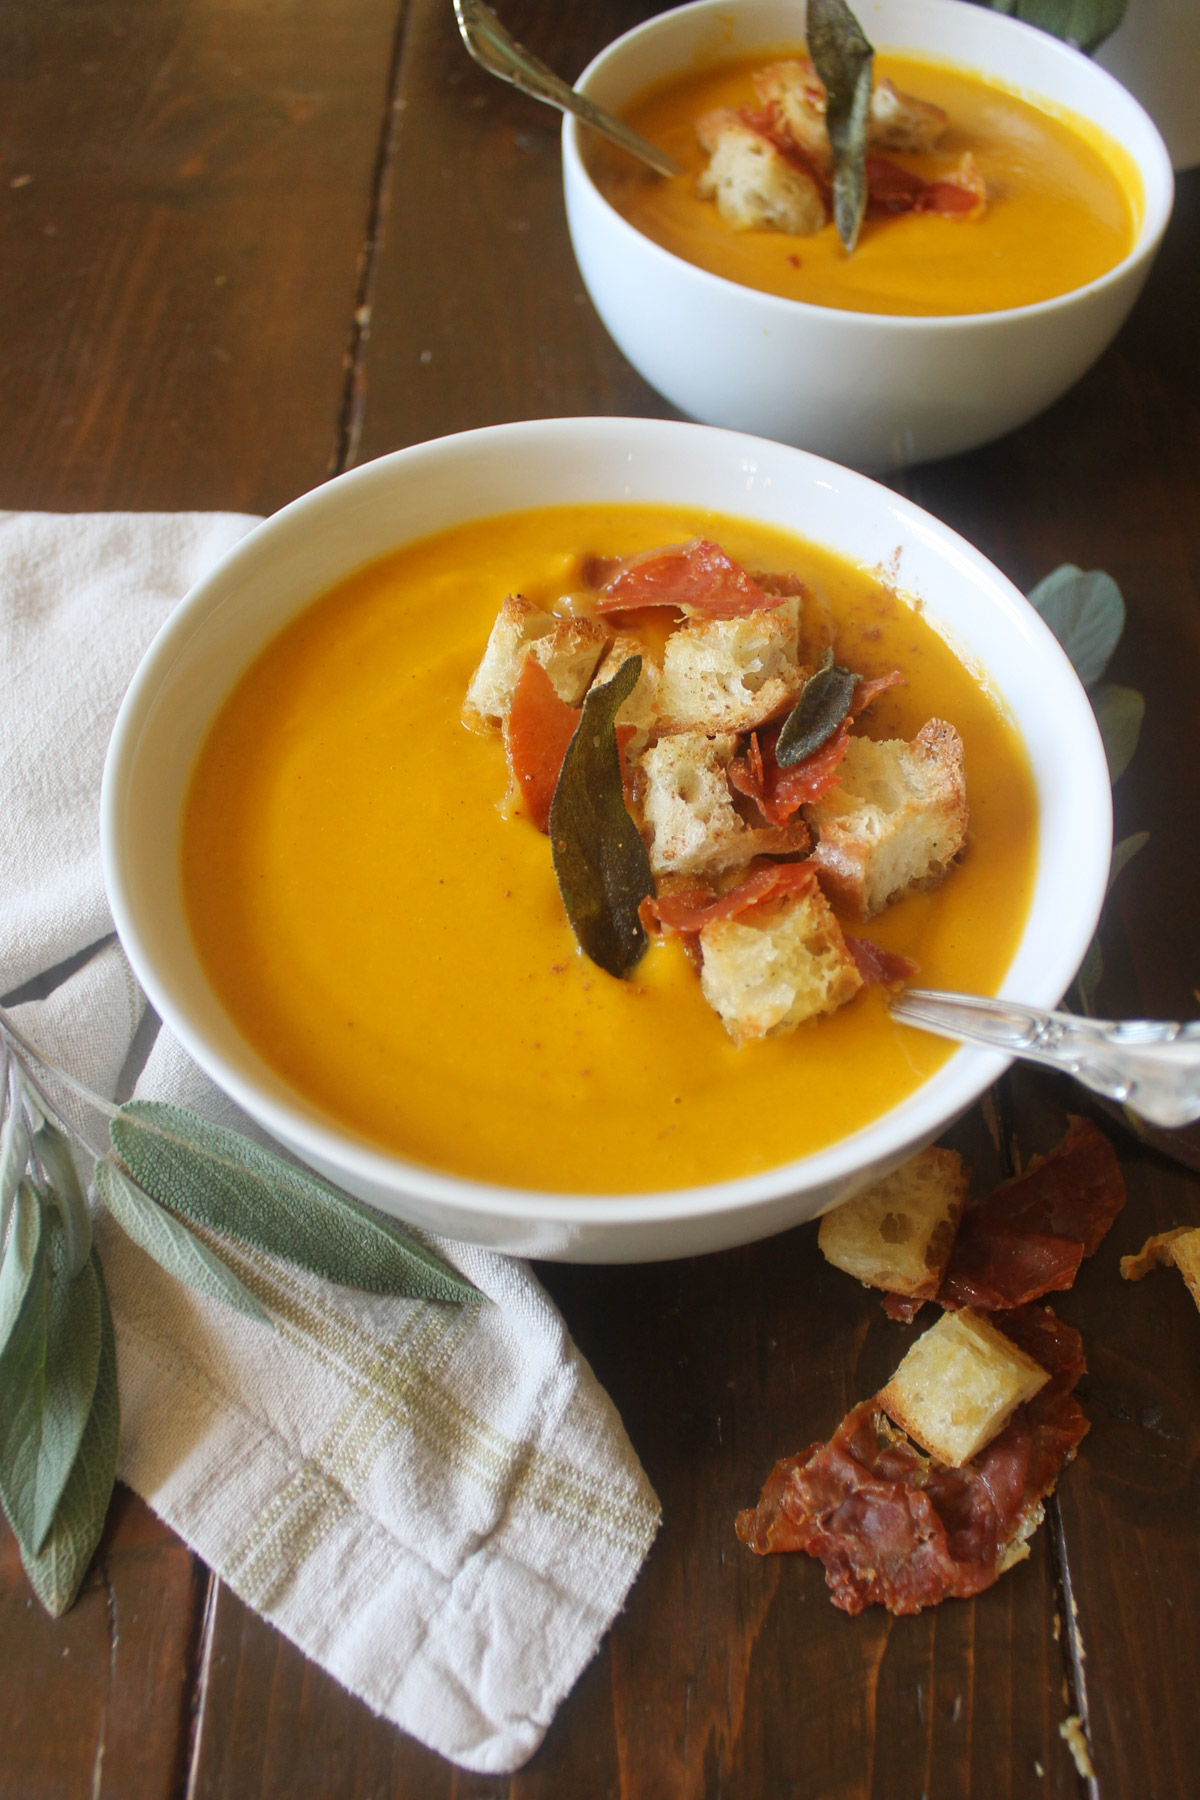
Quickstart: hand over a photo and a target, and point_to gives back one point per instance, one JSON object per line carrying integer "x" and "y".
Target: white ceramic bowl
{"x": 287, "y": 562}
{"x": 873, "y": 391}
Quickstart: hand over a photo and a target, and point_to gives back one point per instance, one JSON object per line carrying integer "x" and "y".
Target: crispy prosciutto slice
{"x": 689, "y": 910}
{"x": 894, "y": 1527}
{"x": 1030, "y": 1235}
{"x": 891, "y": 190}
{"x": 879, "y": 967}
{"x": 697, "y": 577}
{"x": 778, "y": 792}
{"x": 540, "y": 726}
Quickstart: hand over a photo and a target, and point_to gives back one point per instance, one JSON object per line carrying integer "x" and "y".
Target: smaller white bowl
{"x": 282, "y": 567}
{"x": 871, "y": 390}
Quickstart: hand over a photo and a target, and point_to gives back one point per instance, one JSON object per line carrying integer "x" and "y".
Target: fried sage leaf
{"x": 821, "y": 708}
{"x": 843, "y": 59}
{"x": 221, "y": 1179}
{"x": 600, "y": 861}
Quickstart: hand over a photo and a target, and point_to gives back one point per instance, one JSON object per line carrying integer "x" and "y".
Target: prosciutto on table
{"x": 896, "y": 1528}
{"x": 1030, "y": 1235}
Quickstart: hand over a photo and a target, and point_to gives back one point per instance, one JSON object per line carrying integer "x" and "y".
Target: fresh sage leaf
{"x": 1119, "y": 713}
{"x": 57, "y": 1569}
{"x": 600, "y": 861}
{"x": 1091, "y": 970}
{"x": 1085, "y": 611}
{"x": 23, "y": 1372}
{"x": 1091, "y": 973}
{"x": 821, "y": 708}
{"x": 1124, "y": 853}
{"x": 173, "y": 1247}
{"x": 47, "y": 1379}
{"x": 843, "y": 59}
{"x": 26, "y": 1244}
{"x": 72, "y": 1363}
{"x": 1085, "y": 23}
{"x": 53, "y": 1151}
{"x": 220, "y": 1179}
{"x": 14, "y": 1142}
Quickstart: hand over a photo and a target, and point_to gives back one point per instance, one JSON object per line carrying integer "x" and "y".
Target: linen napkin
{"x": 438, "y": 1504}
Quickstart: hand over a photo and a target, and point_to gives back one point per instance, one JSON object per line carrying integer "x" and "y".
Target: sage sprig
{"x": 1084, "y": 23}
{"x": 59, "y": 1407}
{"x": 844, "y": 60}
{"x": 1085, "y": 610}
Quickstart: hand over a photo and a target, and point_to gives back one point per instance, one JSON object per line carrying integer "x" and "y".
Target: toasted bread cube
{"x": 731, "y": 674}
{"x": 1180, "y": 1246}
{"x": 641, "y": 708}
{"x": 1186, "y": 1252}
{"x": 688, "y": 808}
{"x": 754, "y": 186}
{"x": 896, "y": 820}
{"x": 569, "y": 654}
{"x": 777, "y": 965}
{"x": 489, "y": 695}
{"x": 898, "y": 1234}
{"x": 959, "y": 1385}
{"x": 793, "y": 90}
{"x": 902, "y": 122}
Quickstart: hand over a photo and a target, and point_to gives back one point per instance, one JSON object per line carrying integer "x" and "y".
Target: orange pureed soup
{"x": 395, "y": 946}
{"x": 1063, "y": 204}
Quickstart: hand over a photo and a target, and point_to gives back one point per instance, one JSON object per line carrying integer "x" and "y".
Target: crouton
{"x": 490, "y": 693}
{"x": 770, "y": 969}
{"x": 902, "y": 122}
{"x": 688, "y": 807}
{"x": 896, "y": 820}
{"x": 898, "y": 1234}
{"x": 896, "y": 121}
{"x": 754, "y": 185}
{"x": 1179, "y": 1246}
{"x": 569, "y": 654}
{"x": 959, "y": 1385}
{"x": 731, "y": 674}
{"x": 641, "y": 708}
{"x": 792, "y": 89}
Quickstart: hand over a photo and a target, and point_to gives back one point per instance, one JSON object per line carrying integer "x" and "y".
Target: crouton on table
{"x": 959, "y": 1385}
{"x": 898, "y": 1234}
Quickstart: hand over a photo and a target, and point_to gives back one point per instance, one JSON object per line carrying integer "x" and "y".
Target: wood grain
{"x": 184, "y": 196}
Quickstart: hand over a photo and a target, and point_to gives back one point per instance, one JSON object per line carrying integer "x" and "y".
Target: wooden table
{"x": 245, "y": 246}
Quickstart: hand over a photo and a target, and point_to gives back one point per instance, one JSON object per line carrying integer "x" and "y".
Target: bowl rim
{"x": 917, "y": 1118}
{"x": 1158, "y": 199}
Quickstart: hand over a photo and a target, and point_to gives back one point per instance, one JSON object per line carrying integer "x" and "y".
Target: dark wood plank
{"x": 184, "y": 196}
{"x": 1109, "y": 479}
{"x": 99, "y": 1702}
{"x": 479, "y": 315}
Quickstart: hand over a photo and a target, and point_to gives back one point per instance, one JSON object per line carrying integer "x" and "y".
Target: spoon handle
{"x": 1151, "y": 1067}
{"x": 494, "y": 50}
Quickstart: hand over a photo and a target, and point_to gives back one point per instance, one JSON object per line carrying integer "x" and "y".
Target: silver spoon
{"x": 494, "y": 50}
{"x": 1152, "y": 1068}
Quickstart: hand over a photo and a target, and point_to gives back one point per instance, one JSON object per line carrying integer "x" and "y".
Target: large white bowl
{"x": 308, "y": 547}
{"x": 874, "y": 391}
